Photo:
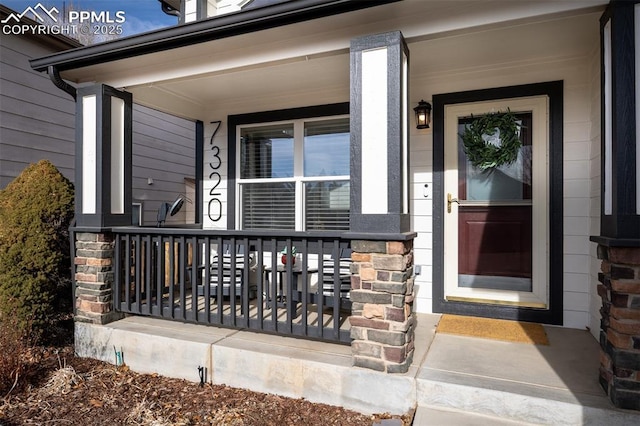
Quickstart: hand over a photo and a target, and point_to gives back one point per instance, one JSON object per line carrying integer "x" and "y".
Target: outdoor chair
{"x": 327, "y": 279}
{"x": 222, "y": 272}
{"x": 343, "y": 262}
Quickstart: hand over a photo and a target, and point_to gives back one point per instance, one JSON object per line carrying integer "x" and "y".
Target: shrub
{"x": 35, "y": 213}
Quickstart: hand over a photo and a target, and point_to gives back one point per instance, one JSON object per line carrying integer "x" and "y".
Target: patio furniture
{"x": 343, "y": 263}
{"x": 229, "y": 273}
{"x": 328, "y": 280}
{"x": 279, "y": 298}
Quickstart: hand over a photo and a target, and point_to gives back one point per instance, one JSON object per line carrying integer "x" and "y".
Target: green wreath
{"x": 484, "y": 155}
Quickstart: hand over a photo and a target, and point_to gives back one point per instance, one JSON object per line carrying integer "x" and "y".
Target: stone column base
{"x": 94, "y": 278}
{"x": 382, "y": 321}
{"x": 620, "y": 325}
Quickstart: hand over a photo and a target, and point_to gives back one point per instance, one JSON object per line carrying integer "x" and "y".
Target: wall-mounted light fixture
{"x": 423, "y": 115}
{"x": 171, "y": 209}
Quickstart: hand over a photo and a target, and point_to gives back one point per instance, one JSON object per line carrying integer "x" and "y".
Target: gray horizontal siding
{"x": 38, "y": 126}
{"x": 15, "y": 159}
{"x": 163, "y": 150}
{"x": 22, "y": 108}
{"x": 37, "y": 121}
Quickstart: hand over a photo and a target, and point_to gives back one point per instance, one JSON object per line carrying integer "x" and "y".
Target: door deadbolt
{"x": 449, "y": 201}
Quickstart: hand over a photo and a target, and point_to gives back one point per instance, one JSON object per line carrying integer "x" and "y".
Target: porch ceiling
{"x": 312, "y": 57}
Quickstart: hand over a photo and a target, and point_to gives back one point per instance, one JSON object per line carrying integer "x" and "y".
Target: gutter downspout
{"x": 169, "y": 10}
{"x": 54, "y": 75}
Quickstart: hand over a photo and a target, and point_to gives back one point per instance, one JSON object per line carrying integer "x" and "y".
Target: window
{"x": 295, "y": 175}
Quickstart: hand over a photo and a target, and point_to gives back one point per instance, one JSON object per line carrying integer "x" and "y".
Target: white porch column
{"x": 103, "y": 157}
{"x": 382, "y": 319}
{"x": 620, "y": 210}
{"x": 379, "y": 134}
{"x": 619, "y": 239}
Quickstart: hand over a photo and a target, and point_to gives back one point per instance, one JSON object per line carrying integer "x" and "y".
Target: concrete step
{"x": 513, "y": 401}
{"x": 427, "y": 416}
{"x": 538, "y": 384}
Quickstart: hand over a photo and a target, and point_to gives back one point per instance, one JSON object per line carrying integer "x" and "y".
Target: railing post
{"x": 382, "y": 321}
{"x": 94, "y": 277}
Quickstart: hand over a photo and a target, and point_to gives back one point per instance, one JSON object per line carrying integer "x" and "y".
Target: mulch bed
{"x": 61, "y": 389}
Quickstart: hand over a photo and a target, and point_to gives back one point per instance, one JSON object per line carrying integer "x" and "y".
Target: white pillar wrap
{"x": 374, "y": 132}
{"x": 117, "y": 155}
{"x": 89, "y": 141}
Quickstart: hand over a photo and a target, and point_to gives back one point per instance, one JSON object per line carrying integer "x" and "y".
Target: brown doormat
{"x": 511, "y": 331}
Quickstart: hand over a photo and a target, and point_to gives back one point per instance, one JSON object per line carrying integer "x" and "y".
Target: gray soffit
{"x": 230, "y": 25}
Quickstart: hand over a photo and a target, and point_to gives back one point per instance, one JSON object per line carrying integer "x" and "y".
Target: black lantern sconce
{"x": 423, "y": 115}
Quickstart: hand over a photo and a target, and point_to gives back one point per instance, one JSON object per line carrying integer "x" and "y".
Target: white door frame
{"x": 539, "y": 296}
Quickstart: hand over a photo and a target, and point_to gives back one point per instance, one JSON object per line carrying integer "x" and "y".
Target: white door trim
{"x": 539, "y": 297}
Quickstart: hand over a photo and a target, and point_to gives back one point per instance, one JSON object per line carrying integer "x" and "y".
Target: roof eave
{"x": 201, "y": 31}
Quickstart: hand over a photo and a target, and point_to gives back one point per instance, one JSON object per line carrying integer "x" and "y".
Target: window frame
{"x": 299, "y": 180}
{"x": 139, "y": 206}
{"x": 303, "y": 114}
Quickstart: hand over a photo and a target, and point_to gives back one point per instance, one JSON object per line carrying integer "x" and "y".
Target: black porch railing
{"x": 237, "y": 279}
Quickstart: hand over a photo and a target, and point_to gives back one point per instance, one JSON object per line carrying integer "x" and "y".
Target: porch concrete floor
{"x": 453, "y": 380}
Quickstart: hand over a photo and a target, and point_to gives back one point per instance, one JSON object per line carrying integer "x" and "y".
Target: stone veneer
{"x": 382, "y": 321}
{"x": 94, "y": 278}
{"x": 620, "y": 325}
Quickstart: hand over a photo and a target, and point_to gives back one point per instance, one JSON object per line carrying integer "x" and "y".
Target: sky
{"x": 140, "y": 15}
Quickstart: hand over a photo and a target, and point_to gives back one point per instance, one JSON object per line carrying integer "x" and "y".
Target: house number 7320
{"x": 214, "y": 208}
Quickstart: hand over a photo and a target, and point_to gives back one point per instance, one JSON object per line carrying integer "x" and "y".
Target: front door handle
{"x": 449, "y": 201}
